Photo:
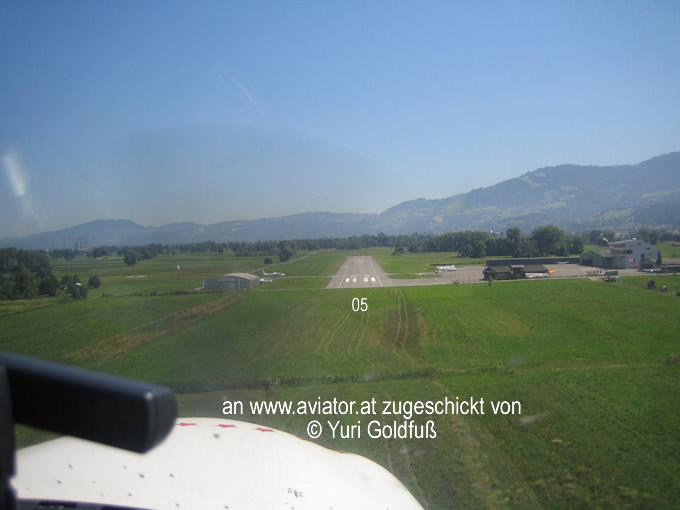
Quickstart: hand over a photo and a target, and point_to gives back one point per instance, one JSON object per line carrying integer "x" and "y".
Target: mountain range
{"x": 573, "y": 197}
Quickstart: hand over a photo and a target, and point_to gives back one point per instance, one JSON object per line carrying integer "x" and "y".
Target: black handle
{"x": 103, "y": 408}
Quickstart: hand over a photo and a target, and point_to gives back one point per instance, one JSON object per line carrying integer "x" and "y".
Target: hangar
{"x": 231, "y": 281}
{"x": 597, "y": 258}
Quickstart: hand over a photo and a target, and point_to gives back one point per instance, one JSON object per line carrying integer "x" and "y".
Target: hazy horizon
{"x": 167, "y": 112}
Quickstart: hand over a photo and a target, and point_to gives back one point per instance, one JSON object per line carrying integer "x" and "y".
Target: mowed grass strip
{"x": 292, "y": 334}
{"x": 66, "y": 327}
{"x": 108, "y": 349}
{"x": 312, "y": 263}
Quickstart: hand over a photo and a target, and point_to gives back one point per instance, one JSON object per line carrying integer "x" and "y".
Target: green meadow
{"x": 413, "y": 263}
{"x": 592, "y": 367}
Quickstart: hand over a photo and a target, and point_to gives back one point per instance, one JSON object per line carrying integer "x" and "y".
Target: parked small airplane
{"x": 273, "y": 275}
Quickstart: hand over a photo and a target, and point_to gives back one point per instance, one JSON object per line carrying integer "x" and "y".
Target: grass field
{"x": 594, "y": 366}
{"x": 418, "y": 262}
{"x": 668, "y": 250}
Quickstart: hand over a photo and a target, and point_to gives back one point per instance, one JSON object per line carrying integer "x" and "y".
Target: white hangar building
{"x": 231, "y": 281}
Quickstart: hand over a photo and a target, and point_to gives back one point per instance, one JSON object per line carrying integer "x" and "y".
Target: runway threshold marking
{"x": 376, "y": 272}
{"x": 345, "y": 273}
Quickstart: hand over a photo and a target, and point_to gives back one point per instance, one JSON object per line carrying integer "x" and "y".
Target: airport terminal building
{"x": 629, "y": 254}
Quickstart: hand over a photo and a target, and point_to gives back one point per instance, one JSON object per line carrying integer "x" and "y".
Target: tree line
{"x": 543, "y": 241}
{"x": 27, "y": 274}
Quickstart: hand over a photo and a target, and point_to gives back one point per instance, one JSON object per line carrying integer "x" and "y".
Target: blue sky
{"x": 161, "y": 112}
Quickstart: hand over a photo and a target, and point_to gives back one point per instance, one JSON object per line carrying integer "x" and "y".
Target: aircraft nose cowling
{"x": 210, "y": 463}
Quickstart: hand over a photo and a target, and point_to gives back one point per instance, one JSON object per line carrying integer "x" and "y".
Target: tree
{"x": 594, "y": 237}
{"x": 492, "y": 247}
{"x": 654, "y": 237}
{"x": 513, "y": 240}
{"x": 24, "y": 283}
{"x": 466, "y": 250}
{"x": 577, "y": 245}
{"x": 94, "y": 282}
{"x": 285, "y": 252}
{"x": 414, "y": 247}
{"x": 130, "y": 258}
{"x": 78, "y": 291}
{"x": 48, "y": 286}
{"x": 547, "y": 239}
{"x": 268, "y": 261}
{"x": 66, "y": 280}
{"x": 562, "y": 250}
{"x": 527, "y": 248}
{"x": 478, "y": 249}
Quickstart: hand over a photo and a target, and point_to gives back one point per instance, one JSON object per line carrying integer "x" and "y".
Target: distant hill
{"x": 565, "y": 195}
{"x": 570, "y": 196}
{"x": 124, "y": 232}
{"x": 664, "y": 215}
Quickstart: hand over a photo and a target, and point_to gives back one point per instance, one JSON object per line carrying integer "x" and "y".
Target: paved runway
{"x": 359, "y": 272}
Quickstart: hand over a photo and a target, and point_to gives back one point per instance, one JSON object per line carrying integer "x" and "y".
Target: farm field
{"x": 594, "y": 367}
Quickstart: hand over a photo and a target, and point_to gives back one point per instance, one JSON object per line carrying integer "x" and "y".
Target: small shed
{"x": 513, "y": 272}
{"x": 500, "y": 272}
{"x": 231, "y": 281}
{"x": 670, "y": 266}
